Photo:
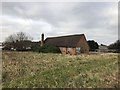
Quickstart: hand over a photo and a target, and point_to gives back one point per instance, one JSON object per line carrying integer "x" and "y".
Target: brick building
{"x": 71, "y": 44}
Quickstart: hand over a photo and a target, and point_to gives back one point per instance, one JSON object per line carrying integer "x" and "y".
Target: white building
{"x": 103, "y": 48}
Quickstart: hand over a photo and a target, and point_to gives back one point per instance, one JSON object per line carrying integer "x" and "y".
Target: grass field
{"x": 29, "y": 69}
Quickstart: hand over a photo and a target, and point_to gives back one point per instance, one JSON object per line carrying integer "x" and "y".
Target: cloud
{"x": 97, "y": 20}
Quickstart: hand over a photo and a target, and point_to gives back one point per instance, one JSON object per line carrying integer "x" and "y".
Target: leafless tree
{"x": 19, "y": 41}
{"x": 11, "y": 38}
{"x": 20, "y": 36}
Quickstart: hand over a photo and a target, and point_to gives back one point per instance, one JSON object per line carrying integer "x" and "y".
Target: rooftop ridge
{"x": 65, "y": 36}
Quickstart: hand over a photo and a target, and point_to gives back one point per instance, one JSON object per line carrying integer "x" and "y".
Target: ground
{"x": 30, "y": 69}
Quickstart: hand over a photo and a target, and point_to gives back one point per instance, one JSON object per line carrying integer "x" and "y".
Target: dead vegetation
{"x": 28, "y": 69}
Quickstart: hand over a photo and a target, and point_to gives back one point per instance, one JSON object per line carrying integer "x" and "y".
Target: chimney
{"x": 42, "y": 39}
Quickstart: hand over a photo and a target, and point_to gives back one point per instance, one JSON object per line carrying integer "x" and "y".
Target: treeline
{"x": 19, "y": 41}
{"x": 93, "y": 46}
{"x": 23, "y": 42}
{"x": 115, "y": 46}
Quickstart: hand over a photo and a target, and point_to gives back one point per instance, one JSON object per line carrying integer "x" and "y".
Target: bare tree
{"x": 11, "y": 38}
{"x": 19, "y": 41}
{"x": 20, "y": 36}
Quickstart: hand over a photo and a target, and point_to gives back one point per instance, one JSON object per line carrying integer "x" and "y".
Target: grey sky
{"x": 97, "y": 20}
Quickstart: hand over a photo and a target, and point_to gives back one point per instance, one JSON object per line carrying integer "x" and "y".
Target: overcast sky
{"x": 97, "y": 20}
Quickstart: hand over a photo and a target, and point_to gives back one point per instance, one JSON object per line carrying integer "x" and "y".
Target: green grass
{"x": 29, "y": 69}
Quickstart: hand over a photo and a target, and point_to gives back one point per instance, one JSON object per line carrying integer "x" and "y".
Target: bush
{"x": 49, "y": 49}
{"x": 46, "y": 49}
{"x": 35, "y": 48}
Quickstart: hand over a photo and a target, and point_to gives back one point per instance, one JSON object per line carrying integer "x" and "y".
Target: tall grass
{"x": 29, "y": 69}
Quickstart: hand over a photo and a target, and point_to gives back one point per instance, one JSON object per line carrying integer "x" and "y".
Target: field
{"x": 47, "y": 70}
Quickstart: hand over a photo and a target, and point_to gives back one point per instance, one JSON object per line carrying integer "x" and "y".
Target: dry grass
{"x": 28, "y": 69}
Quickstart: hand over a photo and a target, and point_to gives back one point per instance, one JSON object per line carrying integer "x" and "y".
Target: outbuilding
{"x": 71, "y": 44}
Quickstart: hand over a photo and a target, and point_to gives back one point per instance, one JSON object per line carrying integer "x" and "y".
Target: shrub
{"x": 49, "y": 49}
{"x": 45, "y": 49}
{"x": 35, "y": 48}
